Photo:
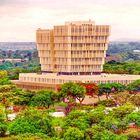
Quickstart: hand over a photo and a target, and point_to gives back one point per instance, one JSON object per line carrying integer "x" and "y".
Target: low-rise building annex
{"x": 74, "y": 52}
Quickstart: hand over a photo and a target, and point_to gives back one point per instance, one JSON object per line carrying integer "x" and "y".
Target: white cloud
{"x": 19, "y": 19}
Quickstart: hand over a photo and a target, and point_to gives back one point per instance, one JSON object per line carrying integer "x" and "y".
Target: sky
{"x": 19, "y": 19}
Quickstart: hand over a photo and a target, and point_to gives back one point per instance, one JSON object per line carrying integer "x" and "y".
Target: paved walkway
{"x": 92, "y": 100}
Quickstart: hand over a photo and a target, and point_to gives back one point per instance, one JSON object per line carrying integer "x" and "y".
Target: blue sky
{"x": 20, "y": 18}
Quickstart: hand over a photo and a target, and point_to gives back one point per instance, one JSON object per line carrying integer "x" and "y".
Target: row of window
{"x": 88, "y": 37}
{"x": 65, "y": 38}
{"x": 48, "y": 45}
{"x": 89, "y": 52}
{"x": 90, "y": 29}
{"x": 61, "y": 81}
{"x": 87, "y": 59}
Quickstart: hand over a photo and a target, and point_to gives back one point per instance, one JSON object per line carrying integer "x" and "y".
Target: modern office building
{"x": 72, "y": 52}
{"x": 76, "y": 48}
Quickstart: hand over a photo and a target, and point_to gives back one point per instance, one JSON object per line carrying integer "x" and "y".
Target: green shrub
{"x": 32, "y": 121}
{"x": 3, "y": 128}
{"x": 107, "y": 103}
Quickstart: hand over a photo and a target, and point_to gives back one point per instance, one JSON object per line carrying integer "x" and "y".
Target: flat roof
{"x": 103, "y": 76}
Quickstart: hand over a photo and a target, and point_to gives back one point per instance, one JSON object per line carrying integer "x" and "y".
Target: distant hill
{"x": 120, "y": 47}
{"x": 17, "y": 46}
{"x": 123, "y": 51}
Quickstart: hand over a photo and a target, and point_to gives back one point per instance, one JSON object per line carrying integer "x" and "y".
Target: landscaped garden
{"x": 62, "y": 115}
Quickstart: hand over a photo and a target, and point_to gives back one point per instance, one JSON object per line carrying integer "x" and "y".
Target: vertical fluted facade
{"x": 73, "y": 48}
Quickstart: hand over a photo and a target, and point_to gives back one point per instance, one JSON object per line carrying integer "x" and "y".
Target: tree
{"x": 3, "y": 74}
{"x": 107, "y": 103}
{"x": 5, "y": 93}
{"x": 105, "y": 89}
{"x": 109, "y": 88}
{"x": 95, "y": 130}
{"x": 6, "y": 66}
{"x": 6, "y": 88}
{"x": 44, "y": 98}
{"x": 123, "y": 68}
{"x": 117, "y": 87}
{"x": 121, "y": 98}
{"x": 28, "y": 136}
{"x": 3, "y": 128}
{"x": 21, "y": 97}
{"x": 14, "y": 73}
{"x": 114, "y": 124}
{"x": 98, "y": 132}
{"x": 135, "y": 100}
{"x": 5, "y": 81}
{"x": 133, "y": 117}
{"x": 73, "y": 134}
{"x": 73, "y": 91}
{"x": 123, "y": 110}
{"x": 91, "y": 89}
{"x": 3, "y": 124}
{"x": 96, "y": 115}
{"x": 76, "y": 119}
{"x": 32, "y": 121}
{"x": 134, "y": 87}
